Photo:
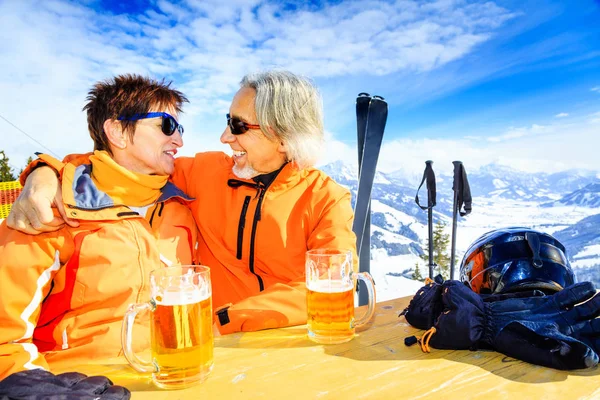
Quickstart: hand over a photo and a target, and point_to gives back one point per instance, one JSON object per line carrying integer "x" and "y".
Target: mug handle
{"x": 370, "y": 284}
{"x": 126, "y": 337}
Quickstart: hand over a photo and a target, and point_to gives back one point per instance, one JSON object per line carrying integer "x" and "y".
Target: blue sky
{"x": 510, "y": 82}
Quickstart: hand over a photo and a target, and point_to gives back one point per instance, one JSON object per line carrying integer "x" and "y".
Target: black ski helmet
{"x": 515, "y": 259}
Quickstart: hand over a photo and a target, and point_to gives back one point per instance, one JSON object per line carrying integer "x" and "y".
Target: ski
{"x": 370, "y": 129}
{"x": 364, "y": 257}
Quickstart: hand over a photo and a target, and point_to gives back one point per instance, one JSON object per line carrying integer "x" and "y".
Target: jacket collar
{"x": 288, "y": 175}
{"x": 79, "y": 190}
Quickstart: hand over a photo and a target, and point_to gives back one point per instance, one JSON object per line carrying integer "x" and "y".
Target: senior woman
{"x": 63, "y": 294}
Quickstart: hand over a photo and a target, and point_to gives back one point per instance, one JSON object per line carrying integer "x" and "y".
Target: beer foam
{"x": 181, "y": 296}
{"x": 330, "y": 286}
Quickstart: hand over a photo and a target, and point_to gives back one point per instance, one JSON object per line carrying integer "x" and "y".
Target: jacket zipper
{"x": 261, "y": 194}
{"x": 261, "y": 190}
{"x": 153, "y": 212}
{"x": 241, "y": 225}
{"x": 141, "y": 267}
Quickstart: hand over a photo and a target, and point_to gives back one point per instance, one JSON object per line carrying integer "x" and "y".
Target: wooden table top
{"x": 284, "y": 364}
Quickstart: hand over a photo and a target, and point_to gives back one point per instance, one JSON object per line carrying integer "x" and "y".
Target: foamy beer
{"x": 330, "y": 284}
{"x": 180, "y": 327}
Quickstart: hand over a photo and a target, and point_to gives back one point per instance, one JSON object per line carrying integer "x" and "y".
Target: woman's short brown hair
{"x": 124, "y": 96}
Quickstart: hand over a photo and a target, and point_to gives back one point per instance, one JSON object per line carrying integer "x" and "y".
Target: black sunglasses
{"x": 237, "y": 126}
{"x": 168, "y": 124}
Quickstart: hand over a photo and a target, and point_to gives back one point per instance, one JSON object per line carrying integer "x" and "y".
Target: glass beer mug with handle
{"x": 330, "y": 284}
{"x": 180, "y": 327}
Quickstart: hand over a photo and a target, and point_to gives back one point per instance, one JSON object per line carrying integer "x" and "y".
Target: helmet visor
{"x": 509, "y": 266}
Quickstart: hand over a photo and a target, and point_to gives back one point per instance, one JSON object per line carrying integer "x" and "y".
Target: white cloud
{"x": 515, "y": 133}
{"x": 595, "y": 117}
{"x": 561, "y": 115}
{"x": 338, "y": 150}
{"x": 58, "y": 49}
{"x": 548, "y": 148}
{"x": 595, "y": 89}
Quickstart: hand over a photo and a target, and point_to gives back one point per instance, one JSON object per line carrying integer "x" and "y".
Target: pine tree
{"x": 29, "y": 161}
{"x": 441, "y": 255}
{"x": 441, "y": 241}
{"x": 6, "y": 171}
{"x": 417, "y": 273}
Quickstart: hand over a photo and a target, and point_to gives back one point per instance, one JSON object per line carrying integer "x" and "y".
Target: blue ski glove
{"x": 555, "y": 331}
{"x": 549, "y": 348}
{"x": 426, "y": 305}
{"x": 38, "y": 384}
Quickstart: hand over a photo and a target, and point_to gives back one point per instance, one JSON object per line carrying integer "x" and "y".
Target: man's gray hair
{"x": 292, "y": 107}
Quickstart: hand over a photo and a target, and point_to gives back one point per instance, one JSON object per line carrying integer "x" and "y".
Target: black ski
{"x": 371, "y": 115}
{"x": 364, "y": 257}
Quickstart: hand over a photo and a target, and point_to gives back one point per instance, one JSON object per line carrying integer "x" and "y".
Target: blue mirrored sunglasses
{"x": 168, "y": 126}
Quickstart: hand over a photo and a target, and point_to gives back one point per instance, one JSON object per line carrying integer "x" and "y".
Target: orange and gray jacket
{"x": 254, "y": 236}
{"x": 63, "y": 294}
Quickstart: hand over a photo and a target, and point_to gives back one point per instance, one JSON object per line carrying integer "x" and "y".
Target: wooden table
{"x": 284, "y": 364}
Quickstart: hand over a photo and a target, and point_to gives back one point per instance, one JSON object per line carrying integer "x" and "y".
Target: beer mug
{"x": 330, "y": 284}
{"x": 180, "y": 327}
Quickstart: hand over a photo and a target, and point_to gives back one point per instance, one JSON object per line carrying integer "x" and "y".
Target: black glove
{"x": 549, "y": 348}
{"x": 555, "y": 331}
{"x": 37, "y": 384}
{"x": 427, "y": 305}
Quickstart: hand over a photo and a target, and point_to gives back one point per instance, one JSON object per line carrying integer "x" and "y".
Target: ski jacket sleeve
{"x": 284, "y": 305}
{"x": 22, "y": 291}
{"x": 334, "y": 229}
{"x": 278, "y": 306}
{"x": 183, "y": 170}
{"x": 49, "y": 161}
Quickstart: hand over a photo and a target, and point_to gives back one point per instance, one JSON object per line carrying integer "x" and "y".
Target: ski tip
{"x": 378, "y": 98}
{"x": 456, "y": 162}
{"x": 363, "y": 94}
{"x": 429, "y": 162}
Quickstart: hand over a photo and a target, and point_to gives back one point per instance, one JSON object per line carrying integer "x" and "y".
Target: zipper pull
{"x": 261, "y": 193}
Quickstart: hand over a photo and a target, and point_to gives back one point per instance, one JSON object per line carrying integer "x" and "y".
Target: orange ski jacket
{"x": 63, "y": 294}
{"x": 254, "y": 238}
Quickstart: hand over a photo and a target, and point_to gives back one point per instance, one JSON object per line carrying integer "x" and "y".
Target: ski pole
{"x": 462, "y": 195}
{"x": 429, "y": 176}
{"x": 430, "y": 229}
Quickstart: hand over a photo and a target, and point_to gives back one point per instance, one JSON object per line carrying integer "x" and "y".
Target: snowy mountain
{"x": 582, "y": 241}
{"x": 500, "y": 181}
{"x": 564, "y": 204}
{"x": 343, "y": 173}
{"x": 580, "y": 235}
{"x": 589, "y": 196}
{"x": 572, "y": 180}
